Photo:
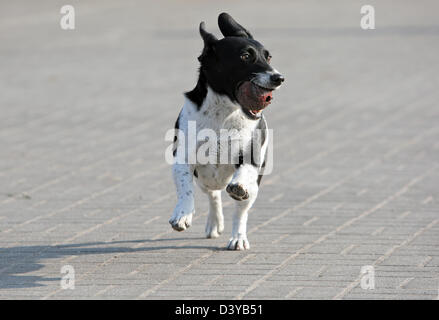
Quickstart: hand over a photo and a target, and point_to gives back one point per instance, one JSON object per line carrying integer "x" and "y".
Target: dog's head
{"x": 238, "y": 66}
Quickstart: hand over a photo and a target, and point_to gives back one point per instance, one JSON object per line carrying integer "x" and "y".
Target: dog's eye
{"x": 245, "y": 56}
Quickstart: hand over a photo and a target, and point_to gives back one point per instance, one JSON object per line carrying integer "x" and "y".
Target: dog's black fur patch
{"x": 198, "y": 94}
{"x": 262, "y": 171}
{"x": 258, "y": 140}
{"x": 176, "y": 127}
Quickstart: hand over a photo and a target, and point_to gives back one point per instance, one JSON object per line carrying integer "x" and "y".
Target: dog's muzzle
{"x": 253, "y": 97}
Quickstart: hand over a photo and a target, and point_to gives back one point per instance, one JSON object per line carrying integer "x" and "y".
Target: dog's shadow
{"x": 16, "y": 261}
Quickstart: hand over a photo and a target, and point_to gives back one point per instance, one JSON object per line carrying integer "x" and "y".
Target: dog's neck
{"x": 218, "y": 107}
{"x": 205, "y": 98}
{"x": 200, "y": 92}
{"x": 219, "y": 112}
{"x": 220, "y": 104}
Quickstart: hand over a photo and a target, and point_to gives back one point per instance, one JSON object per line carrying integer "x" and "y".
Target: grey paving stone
{"x": 83, "y": 180}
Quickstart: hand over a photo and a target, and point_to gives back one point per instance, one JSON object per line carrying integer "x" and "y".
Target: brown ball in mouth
{"x": 253, "y": 97}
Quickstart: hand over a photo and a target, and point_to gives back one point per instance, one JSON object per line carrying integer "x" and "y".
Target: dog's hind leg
{"x": 181, "y": 219}
{"x": 215, "y": 219}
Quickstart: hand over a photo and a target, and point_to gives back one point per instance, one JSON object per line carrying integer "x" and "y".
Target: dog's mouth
{"x": 253, "y": 98}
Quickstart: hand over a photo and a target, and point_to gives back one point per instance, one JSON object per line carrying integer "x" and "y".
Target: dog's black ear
{"x": 209, "y": 40}
{"x": 230, "y": 28}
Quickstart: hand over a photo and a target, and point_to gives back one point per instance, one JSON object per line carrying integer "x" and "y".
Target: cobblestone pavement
{"x": 83, "y": 180}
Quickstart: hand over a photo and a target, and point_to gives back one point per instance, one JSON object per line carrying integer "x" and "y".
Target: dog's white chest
{"x": 220, "y": 116}
{"x": 222, "y": 125}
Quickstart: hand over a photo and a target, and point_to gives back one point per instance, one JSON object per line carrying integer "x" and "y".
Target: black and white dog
{"x": 235, "y": 83}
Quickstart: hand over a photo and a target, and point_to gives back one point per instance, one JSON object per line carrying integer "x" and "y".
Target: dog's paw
{"x": 237, "y": 191}
{"x": 214, "y": 228}
{"x": 238, "y": 242}
{"x": 181, "y": 222}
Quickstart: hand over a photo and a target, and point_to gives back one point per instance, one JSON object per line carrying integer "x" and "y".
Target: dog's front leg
{"x": 181, "y": 219}
{"x": 244, "y": 189}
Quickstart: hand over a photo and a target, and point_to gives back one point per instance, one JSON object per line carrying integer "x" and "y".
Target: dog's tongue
{"x": 253, "y": 97}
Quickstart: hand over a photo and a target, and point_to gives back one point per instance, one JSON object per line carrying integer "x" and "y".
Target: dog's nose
{"x": 277, "y": 78}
